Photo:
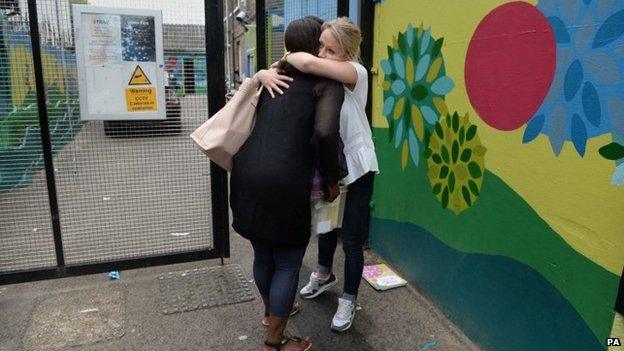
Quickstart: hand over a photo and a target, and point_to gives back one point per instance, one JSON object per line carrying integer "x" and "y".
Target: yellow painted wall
{"x": 571, "y": 193}
{"x": 23, "y": 72}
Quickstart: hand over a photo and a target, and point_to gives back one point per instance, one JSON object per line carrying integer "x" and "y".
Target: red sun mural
{"x": 510, "y": 65}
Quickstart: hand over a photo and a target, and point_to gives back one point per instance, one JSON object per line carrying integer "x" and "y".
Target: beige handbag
{"x": 222, "y": 135}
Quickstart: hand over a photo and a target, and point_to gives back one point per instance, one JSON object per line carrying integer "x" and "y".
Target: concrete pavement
{"x": 125, "y": 315}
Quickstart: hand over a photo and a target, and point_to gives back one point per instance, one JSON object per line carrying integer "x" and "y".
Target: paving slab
{"x": 76, "y": 318}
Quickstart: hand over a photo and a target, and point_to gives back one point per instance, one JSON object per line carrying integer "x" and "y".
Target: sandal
{"x": 278, "y": 345}
{"x": 295, "y": 309}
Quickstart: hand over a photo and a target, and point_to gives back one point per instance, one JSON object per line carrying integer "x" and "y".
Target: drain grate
{"x": 203, "y": 288}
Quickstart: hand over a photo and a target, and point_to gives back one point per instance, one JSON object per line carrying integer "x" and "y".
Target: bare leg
{"x": 265, "y": 320}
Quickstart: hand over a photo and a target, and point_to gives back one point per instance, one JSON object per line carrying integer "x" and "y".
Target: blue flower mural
{"x": 585, "y": 99}
{"x": 414, "y": 88}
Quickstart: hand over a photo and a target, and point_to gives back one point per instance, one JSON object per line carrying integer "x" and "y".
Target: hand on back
{"x": 272, "y": 80}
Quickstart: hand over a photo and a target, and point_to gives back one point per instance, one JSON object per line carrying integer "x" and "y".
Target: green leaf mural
{"x": 612, "y": 151}
{"x": 414, "y": 88}
{"x": 13, "y": 127}
{"x": 615, "y": 151}
{"x": 455, "y": 157}
{"x": 20, "y": 140}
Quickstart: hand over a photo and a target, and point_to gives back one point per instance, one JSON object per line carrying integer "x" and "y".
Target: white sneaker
{"x": 344, "y": 315}
{"x": 317, "y": 286}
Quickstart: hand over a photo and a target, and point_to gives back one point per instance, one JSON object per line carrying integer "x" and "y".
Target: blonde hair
{"x": 348, "y": 35}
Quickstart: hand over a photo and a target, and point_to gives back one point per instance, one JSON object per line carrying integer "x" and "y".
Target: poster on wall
{"x": 119, "y": 54}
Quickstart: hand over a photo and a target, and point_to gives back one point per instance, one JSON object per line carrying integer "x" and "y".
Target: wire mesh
{"x": 324, "y": 9}
{"x": 128, "y": 189}
{"x": 274, "y": 14}
{"x": 26, "y": 240}
{"x": 279, "y": 13}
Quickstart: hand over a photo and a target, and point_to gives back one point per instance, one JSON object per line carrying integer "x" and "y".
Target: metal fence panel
{"x": 26, "y": 240}
{"x": 125, "y": 189}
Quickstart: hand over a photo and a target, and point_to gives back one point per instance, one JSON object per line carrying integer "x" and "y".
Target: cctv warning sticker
{"x": 139, "y": 77}
{"x": 141, "y": 99}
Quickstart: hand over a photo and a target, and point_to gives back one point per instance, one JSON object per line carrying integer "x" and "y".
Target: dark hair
{"x": 314, "y": 18}
{"x": 303, "y": 35}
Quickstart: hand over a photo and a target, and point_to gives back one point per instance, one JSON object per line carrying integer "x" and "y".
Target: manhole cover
{"x": 202, "y": 288}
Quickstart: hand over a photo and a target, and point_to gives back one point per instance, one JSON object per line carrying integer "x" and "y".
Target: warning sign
{"x": 139, "y": 77}
{"x": 141, "y": 99}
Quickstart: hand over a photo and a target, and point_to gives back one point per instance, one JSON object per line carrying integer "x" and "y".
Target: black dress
{"x": 271, "y": 175}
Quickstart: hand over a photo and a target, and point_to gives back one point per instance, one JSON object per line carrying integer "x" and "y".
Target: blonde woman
{"x": 338, "y": 59}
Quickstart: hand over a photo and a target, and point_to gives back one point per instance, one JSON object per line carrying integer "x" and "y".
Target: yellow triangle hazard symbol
{"x": 139, "y": 77}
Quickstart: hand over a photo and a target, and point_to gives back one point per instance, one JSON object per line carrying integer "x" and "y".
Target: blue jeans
{"x": 276, "y": 272}
{"x": 354, "y": 232}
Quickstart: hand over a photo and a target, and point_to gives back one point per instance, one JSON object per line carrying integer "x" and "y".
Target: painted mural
{"x": 174, "y": 66}
{"x": 21, "y": 154}
{"x": 499, "y": 131}
{"x": 5, "y": 99}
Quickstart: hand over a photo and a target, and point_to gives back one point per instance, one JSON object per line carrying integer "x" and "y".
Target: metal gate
{"x": 82, "y": 197}
{"x": 273, "y": 16}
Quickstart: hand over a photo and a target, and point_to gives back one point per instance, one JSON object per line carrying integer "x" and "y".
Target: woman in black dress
{"x": 271, "y": 179}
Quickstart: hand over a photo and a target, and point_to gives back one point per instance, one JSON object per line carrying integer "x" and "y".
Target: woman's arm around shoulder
{"x": 341, "y": 71}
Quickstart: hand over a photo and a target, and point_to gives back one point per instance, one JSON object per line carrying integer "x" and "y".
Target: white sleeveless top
{"x": 355, "y": 131}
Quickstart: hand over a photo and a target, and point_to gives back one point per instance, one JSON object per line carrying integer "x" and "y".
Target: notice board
{"x": 119, "y": 54}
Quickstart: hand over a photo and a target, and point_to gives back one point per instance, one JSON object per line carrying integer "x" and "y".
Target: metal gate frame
{"x": 219, "y": 181}
{"x": 367, "y": 21}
